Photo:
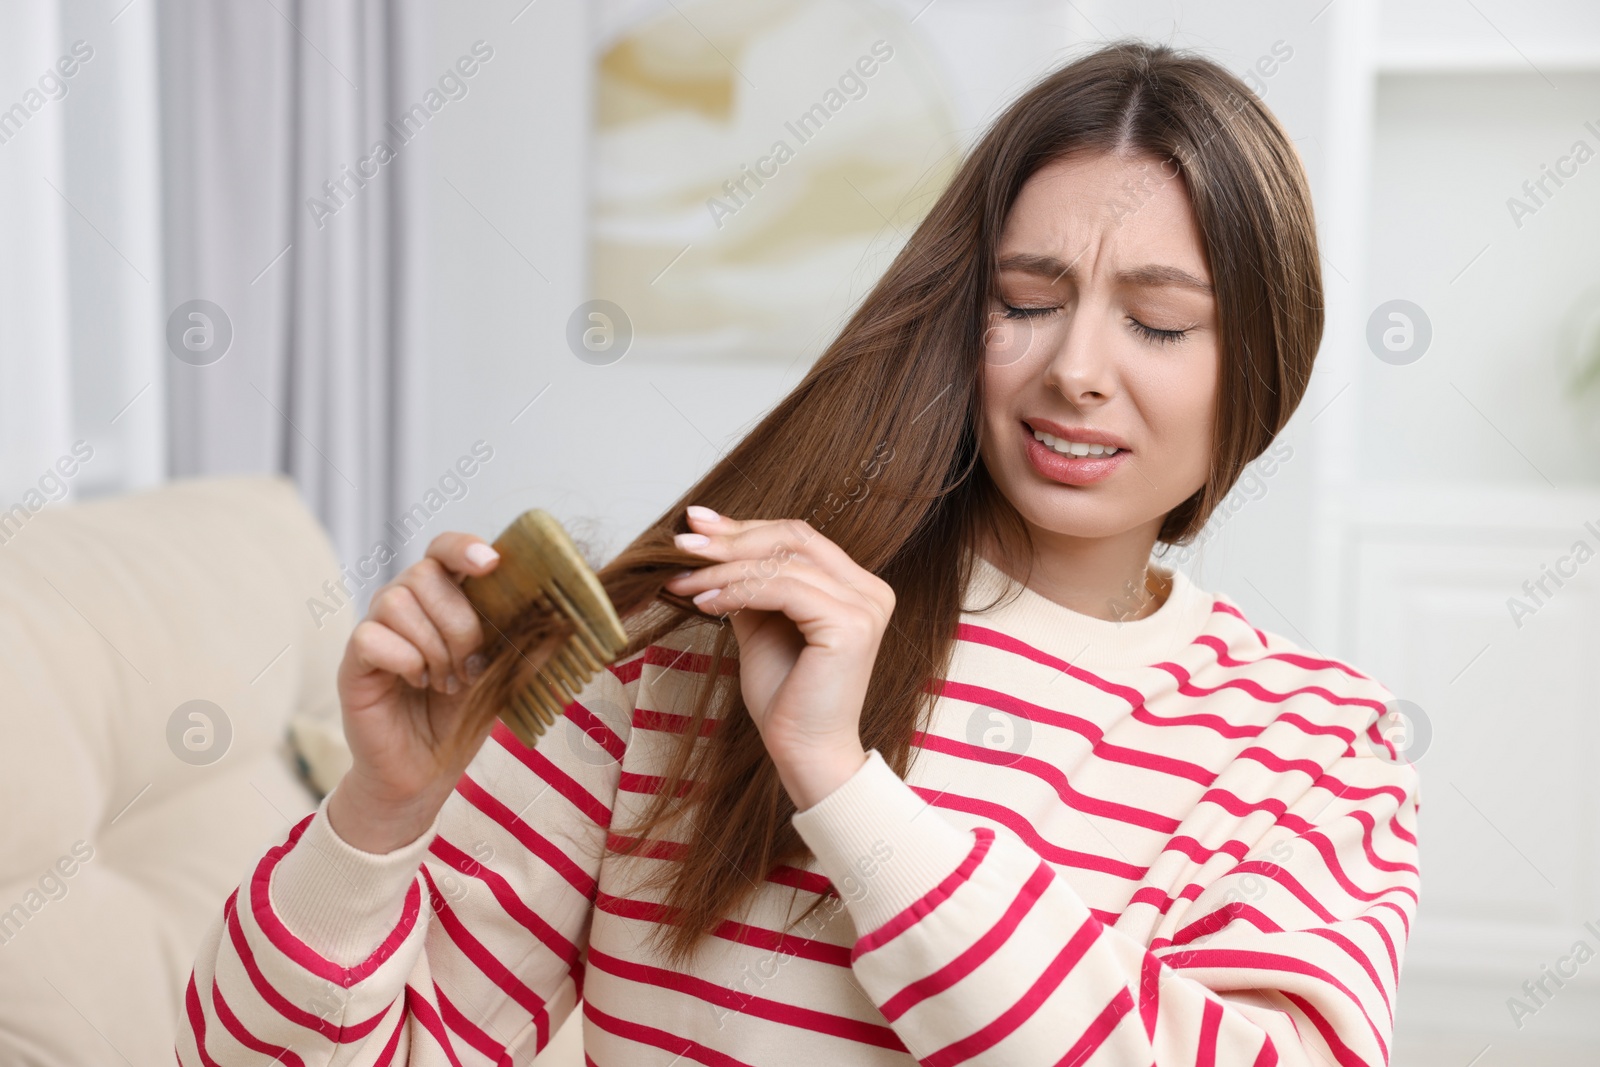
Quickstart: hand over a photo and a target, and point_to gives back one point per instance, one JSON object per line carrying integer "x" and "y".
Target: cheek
{"x": 1001, "y": 387}
{"x": 1180, "y": 409}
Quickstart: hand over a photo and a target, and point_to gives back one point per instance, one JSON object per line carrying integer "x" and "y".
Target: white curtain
{"x": 81, "y": 367}
{"x": 265, "y": 104}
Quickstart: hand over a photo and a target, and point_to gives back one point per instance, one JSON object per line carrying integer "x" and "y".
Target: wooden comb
{"x": 540, "y": 565}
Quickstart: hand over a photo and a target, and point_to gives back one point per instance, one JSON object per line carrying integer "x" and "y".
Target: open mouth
{"x": 1074, "y": 448}
{"x": 1069, "y": 458}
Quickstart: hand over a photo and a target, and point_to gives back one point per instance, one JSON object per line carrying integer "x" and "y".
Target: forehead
{"x": 1121, "y": 208}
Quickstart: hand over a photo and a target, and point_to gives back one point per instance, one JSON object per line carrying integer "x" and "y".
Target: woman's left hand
{"x": 808, "y": 620}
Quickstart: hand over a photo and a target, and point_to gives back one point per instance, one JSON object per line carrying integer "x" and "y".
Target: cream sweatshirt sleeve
{"x": 978, "y": 951}
{"x": 471, "y": 935}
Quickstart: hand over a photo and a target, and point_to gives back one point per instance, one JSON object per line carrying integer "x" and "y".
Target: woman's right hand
{"x": 404, "y": 680}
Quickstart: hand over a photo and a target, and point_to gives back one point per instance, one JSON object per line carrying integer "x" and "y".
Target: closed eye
{"x": 1158, "y": 335}
{"x": 1151, "y": 333}
{"x": 1029, "y": 312}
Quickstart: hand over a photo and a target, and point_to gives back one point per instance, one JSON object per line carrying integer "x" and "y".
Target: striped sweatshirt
{"x": 1178, "y": 840}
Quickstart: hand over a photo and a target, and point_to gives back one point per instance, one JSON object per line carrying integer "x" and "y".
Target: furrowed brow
{"x": 1151, "y": 275}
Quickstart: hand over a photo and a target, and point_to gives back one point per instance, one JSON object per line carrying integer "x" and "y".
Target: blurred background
{"x": 372, "y": 246}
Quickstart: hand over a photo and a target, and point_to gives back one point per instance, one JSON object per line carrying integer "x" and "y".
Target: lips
{"x": 1070, "y": 469}
{"x": 1081, "y": 434}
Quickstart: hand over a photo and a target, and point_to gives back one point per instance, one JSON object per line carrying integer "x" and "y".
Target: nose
{"x": 1082, "y": 368}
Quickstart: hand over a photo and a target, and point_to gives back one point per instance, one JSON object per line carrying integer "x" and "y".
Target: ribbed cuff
{"x": 343, "y": 902}
{"x": 883, "y": 847}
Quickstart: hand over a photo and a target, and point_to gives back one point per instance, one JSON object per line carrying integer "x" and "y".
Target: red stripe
{"x": 627, "y": 671}
{"x": 667, "y": 722}
{"x": 910, "y": 916}
{"x": 1215, "y": 723}
{"x": 1214, "y": 921}
{"x": 1210, "y": 1026}
{"x": 470, "y": 1032}
{"x": 1051, "y": 774}
{"x": 241, "y": 1034}
{"x": 1388, "y": 943}
{"x": 1149, "y": 993}
{"x": 1296, "y": 659}
{"x": 1289, "y": 882}
{"x": 559, "y": 780}
{"x": 276, "y": 1000}
{"x": 977, "y": 953}
{"x": 386, "y": 1057}
{"x": 810, "y": 881}
{"x": 197, "y": 1023}
{"x": 1100, "y": 748}
{"x": 655, "y": 848}
{"x": 782, "y": 873}
{"x": 1004, "y": 816}
{"x": 689, "y": 662}
{"x": 510, "y": 901}
{"x": 1188, "y": 846}
{"x": 1235, "y": 805}
{"x": 1099, "y": 1030}
{"x": 1019, "y": 1013}
{"x": 739, "y": 1003}
{"x": 1360, "y": 957}
{"x": 1135, "y": 698}
{"x": 649, "y": 784}
{"x": 1330, "y": 860}
{"x": 1221, "y": 604}
{"x": 982, "y": 635}
{"x": 788, "y": 945}
{"x": 1186, "y": 687}
{"x": 297, "y": 950}
{"x": 661, "y": 1039}
{"x": 425, "y": 1014}
{"x": 530, "y": 839}
{"x": 1274, "y": 762}
{"x": 520, "y": 992}
{"x": 1369, "y": 829}
{"x": 1405, "y": 918}
{"x": 596, "y": 728}
{"x": 1361, "y": 792}
{"x": 1246, "y": 959}
{"x": 1341, "y": 1052}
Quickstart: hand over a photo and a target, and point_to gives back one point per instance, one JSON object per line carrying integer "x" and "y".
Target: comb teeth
{"x": 539, "y": 565}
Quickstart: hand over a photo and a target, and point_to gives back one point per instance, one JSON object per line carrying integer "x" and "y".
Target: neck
{"x": 1102, "y": 577}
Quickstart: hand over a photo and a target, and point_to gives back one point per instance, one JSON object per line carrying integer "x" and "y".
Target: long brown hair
{"x": 877, "y": 447}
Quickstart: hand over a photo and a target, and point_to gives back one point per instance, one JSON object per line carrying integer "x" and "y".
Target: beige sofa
{"x": 154, "y": 651}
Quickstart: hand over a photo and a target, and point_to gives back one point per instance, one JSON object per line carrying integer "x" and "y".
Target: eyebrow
{"x": 1150, "y": 275}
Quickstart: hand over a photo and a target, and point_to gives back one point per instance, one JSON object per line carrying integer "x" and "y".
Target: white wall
{"x": 604, "y": 447}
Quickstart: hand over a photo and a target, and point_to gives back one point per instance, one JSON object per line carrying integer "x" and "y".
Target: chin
{"x": 1069, "y": 512}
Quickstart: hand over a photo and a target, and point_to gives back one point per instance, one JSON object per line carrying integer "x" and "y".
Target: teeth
{"x": 1073, "y": 448}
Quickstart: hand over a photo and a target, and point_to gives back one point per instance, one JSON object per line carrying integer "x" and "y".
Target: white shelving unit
{"x": 1443, "y": 486}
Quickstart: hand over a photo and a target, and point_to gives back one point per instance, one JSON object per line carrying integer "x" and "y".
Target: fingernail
{"x": 701, "y": 598}
{"x": 481, "y": 554}
{"x": 423, "y": 681}
{"x": 681, "y": 574}
{"x": 691, "y": 540}
{"x": 452, "y": 685}
{"x": 475, "y": 665}
{"x": 704, "y": 514}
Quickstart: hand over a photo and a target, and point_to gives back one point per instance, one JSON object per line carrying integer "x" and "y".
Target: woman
{"x": 915, "y": 754}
